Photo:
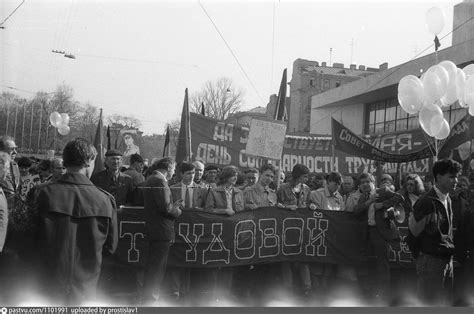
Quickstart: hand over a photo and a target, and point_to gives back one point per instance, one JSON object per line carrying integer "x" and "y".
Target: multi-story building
{"x": 370, "y": 105}
{"x": 310, "y": 78}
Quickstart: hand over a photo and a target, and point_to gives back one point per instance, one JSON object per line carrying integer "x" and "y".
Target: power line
{"x": 23, "y": 1}
{"x": 232, "y": 52}
{"x": 137, "y": 60}
{"x": 394, "y": 71}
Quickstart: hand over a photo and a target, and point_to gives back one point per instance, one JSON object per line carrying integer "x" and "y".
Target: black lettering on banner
{"x": 133, "y": 229}
{"x": 198, "y": 232}
{"x": 216, "y": 251}
{"x": 270, "y": 241}
{"x": 292, "y": 231}
{"x": 244, "y": 239}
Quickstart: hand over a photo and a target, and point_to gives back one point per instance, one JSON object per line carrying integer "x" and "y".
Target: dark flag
{"x": 108, "y": 137}
{"x": 461, "y": 132}
{"x": 167, "y": 148}
{"x": 437, "y": 43}
{"x": 203, "y": 112}
{"x": 183, "y": 151}
{"x": 280, "y": 110}
{"x": 99, "y": 146}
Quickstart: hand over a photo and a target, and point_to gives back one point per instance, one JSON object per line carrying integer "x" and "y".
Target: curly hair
{"x": 226, "y": 173}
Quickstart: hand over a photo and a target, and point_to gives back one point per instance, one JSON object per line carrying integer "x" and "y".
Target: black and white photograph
{"x": 238, "y": 154}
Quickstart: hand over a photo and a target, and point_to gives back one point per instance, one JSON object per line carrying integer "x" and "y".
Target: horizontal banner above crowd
{"x": 219, "y": 143}
{"x": 259, "y": 236}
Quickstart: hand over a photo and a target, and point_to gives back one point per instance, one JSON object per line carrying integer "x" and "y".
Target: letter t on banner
{"x": 183, "y": 151}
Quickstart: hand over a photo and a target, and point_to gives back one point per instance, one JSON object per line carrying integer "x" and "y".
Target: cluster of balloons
{"x": 60, "y": 121}
{"x": 439, "y": 87}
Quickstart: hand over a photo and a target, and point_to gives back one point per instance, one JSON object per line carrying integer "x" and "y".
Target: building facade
{"x": 370, "y": 105}
{"x": 310, "y": 78}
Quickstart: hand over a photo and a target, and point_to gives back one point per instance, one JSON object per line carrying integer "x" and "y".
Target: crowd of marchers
{"x": 58, "y": 231}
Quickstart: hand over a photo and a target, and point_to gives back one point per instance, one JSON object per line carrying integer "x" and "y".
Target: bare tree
{"x": 220, "y": 99}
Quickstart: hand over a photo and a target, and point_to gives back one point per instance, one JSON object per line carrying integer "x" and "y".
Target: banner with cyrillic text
{"x": 221, "y": 143}
{"x": 260, "y": 236}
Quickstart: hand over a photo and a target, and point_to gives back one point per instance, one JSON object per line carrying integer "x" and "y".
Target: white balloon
{"x": 55, "y": 119}
{"x": 451, "y": 94}
{"x": 469, "y": 69}
{"x": 451, "y": 68}
{"x": 64, "y": 129}
{"x": 436, "y": 124}
{"x": 460, "y": 82}
{"x": 432, "y": 86}
{"x": 65, "y": 119}
{"x": 427, "y": 113}
{"x": 444, "y": 131}
{"x": 469, "y": 91}
{"x": 443, "y": 76}
{"x": 435, "y": 18}
{"x": 410, "y": 94}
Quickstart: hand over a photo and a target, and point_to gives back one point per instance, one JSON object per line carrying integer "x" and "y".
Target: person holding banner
{"x": 292, "y": 195}
{"x": 188, "y": 193}
{"x": 326, "y": 198}
{"x": 432, "y": 226}
{"x": 224, "y": 199}
{"x": 260, "y": 194}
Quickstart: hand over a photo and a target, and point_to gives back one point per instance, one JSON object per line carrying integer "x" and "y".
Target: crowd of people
{"x": 60, "y": 220}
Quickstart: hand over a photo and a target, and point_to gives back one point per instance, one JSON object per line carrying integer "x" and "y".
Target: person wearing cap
{"x": 113, "y": 181}
{"x": 210, "y": 176}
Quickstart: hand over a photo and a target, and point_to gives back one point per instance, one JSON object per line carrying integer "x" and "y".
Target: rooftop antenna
{"x": 330, "y": 57}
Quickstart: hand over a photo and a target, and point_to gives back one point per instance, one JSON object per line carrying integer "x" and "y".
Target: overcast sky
{"x": 137, "y": 57}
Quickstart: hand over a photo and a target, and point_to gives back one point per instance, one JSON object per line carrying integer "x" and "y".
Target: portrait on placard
{"x": 129, "y": 144}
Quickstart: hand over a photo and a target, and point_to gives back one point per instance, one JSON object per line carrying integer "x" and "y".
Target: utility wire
{"x": 23, "y": 1}
{"x": 397, "y": 68}
{"x": 136, "y": 60}
{"x": 232, "y": 52}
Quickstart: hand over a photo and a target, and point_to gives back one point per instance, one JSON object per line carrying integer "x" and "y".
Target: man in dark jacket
{"x": 113, "y": 181}
{"x": 160, "y": 214}
{"x": 432, "y": 225}
{"x": 78, "y": 222}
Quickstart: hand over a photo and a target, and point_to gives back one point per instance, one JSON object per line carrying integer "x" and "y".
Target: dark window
{"x": 338, "y": 83}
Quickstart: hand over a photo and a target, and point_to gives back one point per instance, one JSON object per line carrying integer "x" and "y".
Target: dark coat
{"x": 122, "y": 190}
{"x": 386, "y": 227}
{"x": 436, "y": 238}
{"x": 78, "y": 222}
{"x": 159, "y": 224}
